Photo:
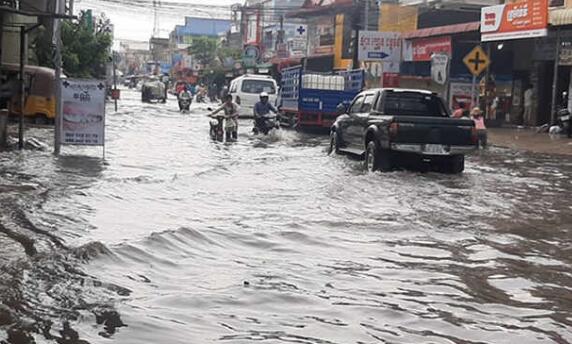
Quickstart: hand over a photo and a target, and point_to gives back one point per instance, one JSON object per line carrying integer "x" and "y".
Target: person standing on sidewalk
{"x": 528, "y": 94}
{"x": 461, "y": 111}
{"x": 477, "y": 116}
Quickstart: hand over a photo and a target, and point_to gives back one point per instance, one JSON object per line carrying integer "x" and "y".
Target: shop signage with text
{"x": 422, "y": 49}
{"x": 379, "y": 46}
{"x": 524, "y": 19}
{"x": 83, "y": 110}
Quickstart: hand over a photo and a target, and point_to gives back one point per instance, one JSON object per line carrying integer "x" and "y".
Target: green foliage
{"x": 204, "y": 49}
{"x": 85, "y": 49}
{"x": 224, "y": 52}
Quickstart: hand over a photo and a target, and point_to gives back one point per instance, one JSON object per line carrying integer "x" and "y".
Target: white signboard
{"x": 439, "y": 68}
{"x": 299, "y": 41}
{"x": 379, "y": 46}
{"x": 460, "y": 92}
{"x": 83, "y": 112}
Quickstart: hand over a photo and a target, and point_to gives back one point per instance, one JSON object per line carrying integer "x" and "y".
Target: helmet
{"x": 263, "y": 95}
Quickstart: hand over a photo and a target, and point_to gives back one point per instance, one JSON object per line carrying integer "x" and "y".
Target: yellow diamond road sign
{"x": 477, "y": 60}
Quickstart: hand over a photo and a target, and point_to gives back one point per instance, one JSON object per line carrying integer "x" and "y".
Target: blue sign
{"x": 377, "y": 55}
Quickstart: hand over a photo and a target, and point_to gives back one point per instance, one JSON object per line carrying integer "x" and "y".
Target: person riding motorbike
{"x": 231, "y": 112}
{"x": 185, "y": 99}
{"x": 262, "y": 111}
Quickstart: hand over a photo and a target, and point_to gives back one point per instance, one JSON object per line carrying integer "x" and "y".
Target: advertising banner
{"x": 379, "y": 46}
{"x": 422, "y": 49}
{"x": 83, "y": 112}
{"x": 460, "y": 92}
{"x": 524, "y": 19}
{"x": 398, "y": 18}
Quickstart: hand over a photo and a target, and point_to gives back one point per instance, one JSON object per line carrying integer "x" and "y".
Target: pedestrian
{"x": 461, "y": 111}
{"x": 477, "y": 116}
{"x": 528, "y": 94}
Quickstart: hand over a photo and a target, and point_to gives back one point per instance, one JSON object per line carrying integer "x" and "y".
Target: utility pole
{"x": 115, "y": 80}
{"x": 553, "y": 108}
{"x": 356, "y": 26}
{"x": 366, "y": 15}
{"x": 58, "y": 77}
{"x": 281, "y": 35}
{"x": 22, "y": 87}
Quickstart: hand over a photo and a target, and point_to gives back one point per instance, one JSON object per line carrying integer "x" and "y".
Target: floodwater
{"x": 178, "y": 239}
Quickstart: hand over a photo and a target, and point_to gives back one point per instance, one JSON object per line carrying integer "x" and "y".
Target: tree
{"x": 85, "y": 50}
{"x": 204, "y": 49}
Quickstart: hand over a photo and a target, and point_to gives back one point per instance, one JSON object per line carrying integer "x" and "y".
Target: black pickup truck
{"x": 392, "y": 126}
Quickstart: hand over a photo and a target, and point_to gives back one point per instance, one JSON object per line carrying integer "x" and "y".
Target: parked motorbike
{"x": 564, "y": 118}
{"x": 267, "y": 123}
{"x": 563, "y": 122}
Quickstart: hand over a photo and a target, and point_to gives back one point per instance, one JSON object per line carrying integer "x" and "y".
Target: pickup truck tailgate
{"x": 434, "y": 130}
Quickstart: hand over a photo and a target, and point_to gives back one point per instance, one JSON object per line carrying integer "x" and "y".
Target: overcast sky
{"x": 136, "y": 22}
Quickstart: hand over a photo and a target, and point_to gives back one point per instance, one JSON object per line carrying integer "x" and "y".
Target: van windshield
{"x": 258, "y": 86}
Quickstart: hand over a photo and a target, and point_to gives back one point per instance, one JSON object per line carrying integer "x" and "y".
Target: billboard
{"x": 525, "y": 19}
{"x": 83, "y": 112}
{"x": 421, "y": 49}
{"x": 397, "y": 18}
{"x": 379, "y": 46}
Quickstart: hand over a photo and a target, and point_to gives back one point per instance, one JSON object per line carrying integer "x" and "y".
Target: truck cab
{"x": 388, "y": 126}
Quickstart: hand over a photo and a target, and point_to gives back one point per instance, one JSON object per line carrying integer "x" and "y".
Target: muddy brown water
{"x": 176, "y": 239}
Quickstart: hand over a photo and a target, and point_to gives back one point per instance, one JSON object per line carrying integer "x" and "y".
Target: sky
{"x": 134, "y": 20}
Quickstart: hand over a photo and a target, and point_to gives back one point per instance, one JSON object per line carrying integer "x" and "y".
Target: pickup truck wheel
{"x": 334, "y": 143}
{"x": 454, "y": 165}
{"x": 377, "y": 159}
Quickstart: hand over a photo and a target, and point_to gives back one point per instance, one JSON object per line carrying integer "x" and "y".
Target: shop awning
{"x": 443, "y": 30}
{"x": 560, "y": 17}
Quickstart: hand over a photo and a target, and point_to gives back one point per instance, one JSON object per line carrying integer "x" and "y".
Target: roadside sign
{"x": 115, "y": 94}
{"x": 83, "y": 112}
{"x": 379, "y": 46}
{"x": 477, "y": 61}
{"x": 440, "y": 68}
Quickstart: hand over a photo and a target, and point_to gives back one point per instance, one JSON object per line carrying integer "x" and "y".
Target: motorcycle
{"x": 185, "y": 102}
{"x": 220, "y": 125}
{"x": 563, "y": 125}
{"x": 266, "y": 123}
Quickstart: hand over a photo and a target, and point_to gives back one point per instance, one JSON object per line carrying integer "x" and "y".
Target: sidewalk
{"x": 529, "y": 140}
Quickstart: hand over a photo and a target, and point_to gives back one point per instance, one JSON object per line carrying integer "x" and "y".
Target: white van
{"x": 246, "y": 90}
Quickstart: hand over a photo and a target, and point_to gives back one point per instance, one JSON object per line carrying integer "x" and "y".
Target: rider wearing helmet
{"x": 261, "y": 109}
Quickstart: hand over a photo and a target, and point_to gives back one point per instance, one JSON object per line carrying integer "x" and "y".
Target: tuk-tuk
{"x": 153, "y": 89}
{"x": 40, "y": 97}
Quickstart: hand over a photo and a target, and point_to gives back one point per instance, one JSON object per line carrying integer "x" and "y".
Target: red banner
{"x": 390, "y": 79}
{"x": 423, "y": 48}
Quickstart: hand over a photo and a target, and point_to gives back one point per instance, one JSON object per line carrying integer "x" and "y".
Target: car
{"x": 246, "y": 90}
{"x": 153, "y": 90}
{"x": 390, "y": 126}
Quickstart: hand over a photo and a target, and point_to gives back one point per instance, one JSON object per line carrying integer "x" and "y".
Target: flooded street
{"x": 178, "y": 239}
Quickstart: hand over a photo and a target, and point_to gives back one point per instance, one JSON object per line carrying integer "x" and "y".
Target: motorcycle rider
{"x": 231, "y": 112}
{"x": 184, "y": 97}
{"x": 262, "y": 109}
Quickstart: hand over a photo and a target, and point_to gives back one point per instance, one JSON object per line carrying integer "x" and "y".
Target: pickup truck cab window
{"x": 368, "y": 102}
{"x": 356, "y": 106}
{"x": 413, "y": 104}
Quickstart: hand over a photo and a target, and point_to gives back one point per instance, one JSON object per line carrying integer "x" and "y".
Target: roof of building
{"x": 443, "y": 30}
{"x": 316, "y": 8}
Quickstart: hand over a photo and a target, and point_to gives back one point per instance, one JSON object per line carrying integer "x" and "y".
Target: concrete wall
{"x": 11, "y": 37}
